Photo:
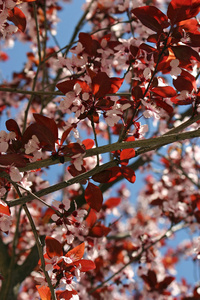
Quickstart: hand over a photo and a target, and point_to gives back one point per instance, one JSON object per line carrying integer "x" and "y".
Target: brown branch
{"x": 149, "y": 144}
{"x": 63, "y": 184}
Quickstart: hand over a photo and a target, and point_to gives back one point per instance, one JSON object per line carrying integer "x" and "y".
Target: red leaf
{"x": 44, "y": 135}
{"x": 103, "y": 176}
{"x": 164, "y": 91}
{"x": 185, "y": 81}
{"x": 47, "y": 215}
{"x": 93, "y": 196}
{"x": 72, "y": 149}
{"x": 189, "y": 25}
{"x": 12, "y": 125}
{"x": 53, "y": 247}
{"x": 76, "y": 253}
{"x": 88, "y": 143}
{"x": 193, "y": 39}
{"x": 65, "y": 135}
{"x": 68, "y": 85}
{"x": 67, "y": 295}
{"x": 151, "y": 17}
{"x": 150, "y": 279}
{"x": 74, "y": 172}
{"x": 168, "y": 108}
{"x": 21, "y": 1}
{"x": 15, "y": 159}
{"x": 112, "y": 202}
{"x": 91, "y": 218}
{"x": 127, "y": 154}
{"x": 115, "y": 173}
{"x": 198, "y": 204}
{"x": 99, "y": 231}
{"x": 4, "y": 209}
{"x": 182, "y": 102}
{"x": 44, "y": 292}
{"x": 166, "y": 282}
{"x": 179, "y": 10}
{"x": 86, "y": 265}
{"x": 115, "y": 84}
{"x": 137, "y": 93}
{"x": 101, "y": 85}
{"x": 185, "y": 53}
{"x": 90, "y": 45}
{"x": 47, "y": 122}
{"x": 128, "y": 173}
{"x": 18, "y": 18}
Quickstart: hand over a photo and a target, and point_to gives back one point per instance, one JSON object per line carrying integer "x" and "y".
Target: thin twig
{"x": 38, "y": 243}
{"x": 167, "y": 234}
{"x": 95, "y": 138}
{"x": 42, "y": 201}
{"x": 40, "y": 251}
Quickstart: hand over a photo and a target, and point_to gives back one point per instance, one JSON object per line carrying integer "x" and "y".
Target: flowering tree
{"x": 101, "y": 108}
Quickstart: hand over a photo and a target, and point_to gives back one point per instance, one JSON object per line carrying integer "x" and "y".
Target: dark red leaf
{"x": 193, "y": 39}
{"x": 72, "y": 149}
{"x": 18, "y": 18}
{"x": 12, "y": 125}
{"x": 128, "y": 173}
{"x": 18, "y": 160}
{"x": 151, "y": 17}
{"x": 90, "y": 45}
{"x": 93, "y": 116}
{"x": 150, "y": 279}
{"x": 68, "y": 85}
{"x": 115, "y": 173}
{"x": 44, "y": 135}
{"x": 185, "y": 81}
{"x": 53, "y": 247}
{"x": 47, "y": 122}
{"x": 101, "y": 85}
{"x": 93, "y": 196}
{"x": 164, "y": 91}
{"x": 166, "y": 282}
{"x": 104, "y": 104}
{"x": 137, "y": 93}
{"x": 74, "y": 172}
{"x": 179, "y": 10}
{"x": 103, "y": 176}
{"x": 168, "y": 108}
{"x": 185, "y": 53}
{"x": 65, "y": 134}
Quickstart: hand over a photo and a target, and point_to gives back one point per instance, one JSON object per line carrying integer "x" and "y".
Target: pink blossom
{"x": 175, "y": 70}
{"x": 15, "y": 174}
